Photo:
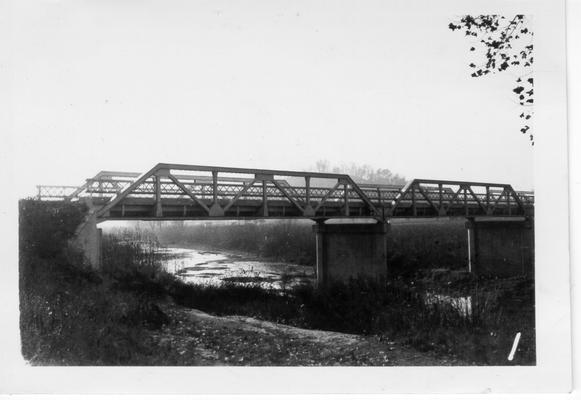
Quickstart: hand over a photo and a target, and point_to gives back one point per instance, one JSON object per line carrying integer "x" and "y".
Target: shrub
{"x": 45, "y": 227}
{"x": 69, "y": 313}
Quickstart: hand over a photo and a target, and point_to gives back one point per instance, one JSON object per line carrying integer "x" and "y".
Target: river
{"x": 219, "y": 267}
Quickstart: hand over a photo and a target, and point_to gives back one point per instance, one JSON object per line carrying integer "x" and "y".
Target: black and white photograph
{"x": 372, "y": 194}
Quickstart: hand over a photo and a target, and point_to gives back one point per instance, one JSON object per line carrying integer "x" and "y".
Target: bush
{"x": 45, "y": 227}
{"x": 481, "y": 332}
{"x": 69, "y": 313}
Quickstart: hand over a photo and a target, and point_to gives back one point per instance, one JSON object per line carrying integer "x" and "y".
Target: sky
{"x": 108, "y": 85}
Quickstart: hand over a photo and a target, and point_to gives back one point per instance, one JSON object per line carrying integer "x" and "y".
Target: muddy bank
{"x": 211, "y": 267}
{"x": 199, "y": 338}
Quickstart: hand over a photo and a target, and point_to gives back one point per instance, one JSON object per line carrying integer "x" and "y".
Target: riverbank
{"x": 128, "y": 313}
{"x": 203, "y": 339}
{"x": 133, "y": 312}
{"x": 204, "y": 266}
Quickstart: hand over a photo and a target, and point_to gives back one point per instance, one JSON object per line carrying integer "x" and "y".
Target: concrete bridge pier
{"x": 350, "y": 250}
{"x": 501, "y": 246}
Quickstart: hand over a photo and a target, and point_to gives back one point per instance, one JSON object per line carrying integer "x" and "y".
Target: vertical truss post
{"x": 214, "y": 187}
{"x": 308, "y": 210}
{"x": 466, "y": 200}
{"x": 264, "y": 199}
{"x": 414, "y": 210}
{"x": 487, "y": 197}
{"x": 441, "y": 209}
{"x": 158, "y": 208}
{"x": 216, "y": 209}
{"x": 346, "y": 198}
{"x": 508, "y": 201}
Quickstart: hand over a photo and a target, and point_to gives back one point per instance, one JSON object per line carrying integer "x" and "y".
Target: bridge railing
{"x": 426, "y": 197}
{"x": 55, "y": 192}
{"x": 230, "y": 192}
{"x": 197, "y": 192}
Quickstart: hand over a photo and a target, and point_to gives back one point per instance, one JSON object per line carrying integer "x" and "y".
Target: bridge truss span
{"x": 177, "y": 191}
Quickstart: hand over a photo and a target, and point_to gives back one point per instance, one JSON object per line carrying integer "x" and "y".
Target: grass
{"x": 398, "y": 310}
{"x": 72, "y": 315}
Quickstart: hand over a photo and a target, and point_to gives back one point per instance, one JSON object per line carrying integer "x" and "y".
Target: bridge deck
{"x": 170, "y": 191}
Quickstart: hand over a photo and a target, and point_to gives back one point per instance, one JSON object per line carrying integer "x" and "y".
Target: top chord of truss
{"x": 176, "y": 191}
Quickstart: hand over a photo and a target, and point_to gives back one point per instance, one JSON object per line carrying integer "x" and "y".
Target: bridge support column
{"x": 500, "y": 246}
{"x": 87, "y": 240}
{"x": 350, "y": 250}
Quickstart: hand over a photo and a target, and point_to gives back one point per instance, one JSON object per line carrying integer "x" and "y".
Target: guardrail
{"x": 170, "y": 191}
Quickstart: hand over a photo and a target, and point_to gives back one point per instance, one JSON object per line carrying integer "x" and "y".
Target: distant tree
{"x": 501, "y": 44}
{"x": 362, "y": 173}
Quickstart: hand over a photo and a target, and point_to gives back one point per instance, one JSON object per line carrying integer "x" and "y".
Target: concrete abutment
{"x": 88, "y": 240}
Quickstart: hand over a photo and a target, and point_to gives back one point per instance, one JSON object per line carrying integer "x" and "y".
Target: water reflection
{"x": 214, "y": 268}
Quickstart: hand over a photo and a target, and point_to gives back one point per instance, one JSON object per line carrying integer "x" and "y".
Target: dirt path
{"x": 203, "y": 339}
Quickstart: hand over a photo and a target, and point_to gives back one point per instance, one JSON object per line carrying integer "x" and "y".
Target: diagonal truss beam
{"x": 423, "y": 193}
{"x": 115, "y": 192}
{"x": 395, "y": 202}
{"x": 326, "y": 196}
{"x": 121, "y": 195}
{"x": 189, "y": 193}
{"x": 454, "y": 197}
{"x": 240, "y": 194}
{"x": 477, "y": 200}
{"x": 288, "y": 196}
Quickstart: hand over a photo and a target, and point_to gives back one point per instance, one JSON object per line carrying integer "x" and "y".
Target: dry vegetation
{"x": 121, "y": 315}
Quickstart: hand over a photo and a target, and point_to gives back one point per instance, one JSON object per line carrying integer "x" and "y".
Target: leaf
{"x": 502, "y": 49}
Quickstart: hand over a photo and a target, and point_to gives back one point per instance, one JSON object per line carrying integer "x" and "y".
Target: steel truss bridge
{"x": 176, "y": 191}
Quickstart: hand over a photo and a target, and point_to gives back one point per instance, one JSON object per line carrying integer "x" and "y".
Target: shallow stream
{"x": 216, "y": 268}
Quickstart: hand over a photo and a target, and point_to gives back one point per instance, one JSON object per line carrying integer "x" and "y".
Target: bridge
{"x": 173, "y": 191}
{"x": 193, "y": 192}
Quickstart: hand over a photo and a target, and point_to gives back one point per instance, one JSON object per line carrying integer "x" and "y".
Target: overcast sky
{"x": 111, "y": 85}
